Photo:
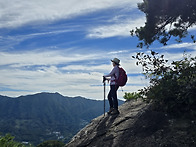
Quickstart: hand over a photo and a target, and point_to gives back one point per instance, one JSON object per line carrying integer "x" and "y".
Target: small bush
{"x": 8, "y": 141}
{"x": 131, "y": 96}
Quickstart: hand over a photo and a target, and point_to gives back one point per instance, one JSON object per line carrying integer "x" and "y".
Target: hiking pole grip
{"x": 104, "y": 79}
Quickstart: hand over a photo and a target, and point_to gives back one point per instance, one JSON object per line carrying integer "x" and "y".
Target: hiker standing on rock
{"x": 112, "y": 95}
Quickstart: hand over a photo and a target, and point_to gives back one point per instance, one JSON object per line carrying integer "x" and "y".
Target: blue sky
{"x": 66, "y": 46}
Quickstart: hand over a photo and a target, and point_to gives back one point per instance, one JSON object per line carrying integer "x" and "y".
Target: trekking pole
{"x": 104, "y": 93}
{"x": 104, "y": 97}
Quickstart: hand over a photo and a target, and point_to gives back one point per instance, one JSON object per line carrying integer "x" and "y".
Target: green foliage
{"x": 8, "y": 141}
{"x": 164, "y": 19}
{"x": 131, "y": 96}
{"x": 153, "y": 64}
{"x": 51, "y": 143}
{"x": 173, "y": 87}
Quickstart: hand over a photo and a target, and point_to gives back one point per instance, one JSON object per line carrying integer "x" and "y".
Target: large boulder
{"x": 137, "y": 125}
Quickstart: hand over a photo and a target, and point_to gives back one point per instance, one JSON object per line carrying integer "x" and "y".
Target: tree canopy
{"x": 164, "y": 19}
{"x": 172, "y": 85}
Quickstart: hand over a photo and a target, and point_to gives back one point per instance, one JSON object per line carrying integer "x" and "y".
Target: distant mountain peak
{"x": 38, "y": 115}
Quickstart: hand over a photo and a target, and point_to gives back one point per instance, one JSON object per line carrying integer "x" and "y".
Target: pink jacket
{"x": 114, "y": 74}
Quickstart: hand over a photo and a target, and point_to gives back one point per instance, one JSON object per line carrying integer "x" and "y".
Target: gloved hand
{"x": 104, "y": 78}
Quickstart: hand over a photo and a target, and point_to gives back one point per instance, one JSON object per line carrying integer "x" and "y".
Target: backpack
{"x": 122, "y": 79}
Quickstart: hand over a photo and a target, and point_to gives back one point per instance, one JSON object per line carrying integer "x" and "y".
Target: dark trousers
{"x": 112, "y": 96}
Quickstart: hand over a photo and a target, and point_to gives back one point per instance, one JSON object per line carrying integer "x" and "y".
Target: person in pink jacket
{"x": 112, "y": 95}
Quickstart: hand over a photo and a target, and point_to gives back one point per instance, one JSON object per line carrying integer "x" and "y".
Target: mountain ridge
{"x": 46, "y": 116}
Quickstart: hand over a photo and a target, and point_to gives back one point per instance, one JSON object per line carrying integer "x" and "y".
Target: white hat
{"x": 116, "y": 61}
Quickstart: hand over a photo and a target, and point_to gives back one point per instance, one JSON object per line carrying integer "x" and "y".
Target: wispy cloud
{"x": 67, "y": 73}
{"x": 118, "y": 29}
{"x": 14, "y": 13}
{"x": 66, "y": 46}
{"x": 37, "y": 57}
{"x": 12, "y": 40}
{"x": 180, "y": 45}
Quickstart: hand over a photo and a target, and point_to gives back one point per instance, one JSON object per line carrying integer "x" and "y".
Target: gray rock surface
{"x": 136, "y": 126}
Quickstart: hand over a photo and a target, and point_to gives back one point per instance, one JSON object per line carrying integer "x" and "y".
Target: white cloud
{"x": 14, "y": 13}
{"x": 41, "y": 58}
{"x": 70, "y": 71}
{"x": 31, "y": 72}
{"x": 173, "y": 56}
{"x": 193, "y": 28}
{"x": 180, "y": 45}
{"x": 66, "y": 72}
{"x": 118, "y": 29}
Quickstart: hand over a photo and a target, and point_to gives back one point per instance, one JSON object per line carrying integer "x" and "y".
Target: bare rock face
{"x": 136, "y": 126}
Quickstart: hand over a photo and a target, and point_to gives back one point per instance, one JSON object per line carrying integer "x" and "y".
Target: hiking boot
{"x": 110, "y": 111}
{"x": 115, "y": 112}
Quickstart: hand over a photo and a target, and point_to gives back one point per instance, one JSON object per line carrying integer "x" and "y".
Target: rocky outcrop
{"x": 137, "y": 125}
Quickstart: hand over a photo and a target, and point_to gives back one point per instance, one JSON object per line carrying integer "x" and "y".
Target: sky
{"x": 67, "y": 46}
